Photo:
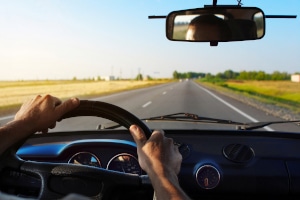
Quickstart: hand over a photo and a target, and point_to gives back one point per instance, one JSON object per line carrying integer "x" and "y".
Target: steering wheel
{"x": 60, "y": 179}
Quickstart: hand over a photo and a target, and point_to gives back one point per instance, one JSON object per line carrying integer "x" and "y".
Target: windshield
{"x": 111, "y": 51}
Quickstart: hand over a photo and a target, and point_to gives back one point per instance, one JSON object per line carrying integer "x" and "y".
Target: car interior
{"x": 225, "y": 159}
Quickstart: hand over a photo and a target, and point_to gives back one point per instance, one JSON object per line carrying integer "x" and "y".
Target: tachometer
{"x": 126, "y": 163}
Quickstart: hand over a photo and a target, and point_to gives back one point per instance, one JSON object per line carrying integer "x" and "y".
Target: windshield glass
{"x": 111, "y": 51}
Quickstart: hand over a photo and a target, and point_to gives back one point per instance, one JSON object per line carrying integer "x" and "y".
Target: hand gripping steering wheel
{"x": 97, "y": 181}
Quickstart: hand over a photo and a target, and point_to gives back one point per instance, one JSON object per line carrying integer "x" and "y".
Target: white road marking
{"x": 232, "y": 107}
{"x": 146, "y": 104}
{"x": 125, "y": 93}
{"x": 164, "y": 93}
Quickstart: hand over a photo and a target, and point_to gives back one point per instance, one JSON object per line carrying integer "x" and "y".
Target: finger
{"x": 138, "y": 135}
{"x": 157, "y": 135}
{"x": 35, "y": 100}
{"x": 44, "y": 131}
{"x": 67, "y": 106}
{"x": 52, "y": 126}
{"x": 179, "y": 158}
{"x": 161, "y": 131}
{"x": 30, "y": 100}
{"x": 55, "y": 101}
{"x": 36, "y": 97}
{"x": 176, "y": 148}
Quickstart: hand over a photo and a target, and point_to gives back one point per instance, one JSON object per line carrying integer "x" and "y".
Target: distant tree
{"x": 189, "y": 75}
{"x": 252, "y": 75}
{"x": 149, "y": 78}
{"x": 229, "y": 74}
{"x": 139, "y": 77}
{"x": 243, "y": 75}
{"x": 276, "y": 75}
{"x": 208, "y": 76}
{"x": 220, "y": 75}
{"x": 261, "y": 75}
{"x": 175, "y": 75}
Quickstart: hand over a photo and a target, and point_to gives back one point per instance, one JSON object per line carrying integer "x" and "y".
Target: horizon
{"x": 103, "y": 78}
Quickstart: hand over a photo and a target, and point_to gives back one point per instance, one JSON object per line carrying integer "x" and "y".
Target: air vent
{"x": 183, "y": 149}
{"x": 238, "y": 153}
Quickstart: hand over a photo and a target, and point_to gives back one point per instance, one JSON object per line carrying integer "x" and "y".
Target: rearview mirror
{"x": 216, "y": 24}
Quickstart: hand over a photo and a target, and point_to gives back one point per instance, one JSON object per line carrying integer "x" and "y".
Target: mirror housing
{"x": 216, "y": 24}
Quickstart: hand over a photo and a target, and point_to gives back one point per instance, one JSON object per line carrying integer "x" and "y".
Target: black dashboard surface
{"x": 215, "y": 163}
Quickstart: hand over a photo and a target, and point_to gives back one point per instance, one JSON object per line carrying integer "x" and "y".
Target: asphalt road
{"x": 187, "y": 97}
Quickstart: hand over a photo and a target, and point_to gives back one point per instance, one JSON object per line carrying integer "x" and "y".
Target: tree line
{"x": 231, "y": 75}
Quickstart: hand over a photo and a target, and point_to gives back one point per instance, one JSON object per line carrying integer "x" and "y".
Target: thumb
{"x": 138, "y": 135}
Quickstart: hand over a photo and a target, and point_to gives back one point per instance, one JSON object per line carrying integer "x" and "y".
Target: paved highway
{"x": 186, "y": 96}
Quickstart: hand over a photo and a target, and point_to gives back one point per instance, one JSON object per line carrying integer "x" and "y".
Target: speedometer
{"x": 126, "y": 163}
{"x": 85, "y": 158}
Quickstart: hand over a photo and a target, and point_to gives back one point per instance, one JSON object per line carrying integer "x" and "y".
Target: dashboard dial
{"x": 85, "y": 158}
{"x": 208, "y": 177}
{"x": 126, "y": 163}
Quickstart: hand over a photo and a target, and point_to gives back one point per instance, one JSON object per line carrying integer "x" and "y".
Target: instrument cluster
{"x": 123, "y": 162}
{"x": 113, "y": 155}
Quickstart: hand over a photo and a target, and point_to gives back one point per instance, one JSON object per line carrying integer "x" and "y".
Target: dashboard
{"x": 215, "y": 163}
{"x": 110, "y": 154}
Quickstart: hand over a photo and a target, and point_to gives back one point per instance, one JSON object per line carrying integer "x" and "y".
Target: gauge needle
{"x": 206, "y": 182}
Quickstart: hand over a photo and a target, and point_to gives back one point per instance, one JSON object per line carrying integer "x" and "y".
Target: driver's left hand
{"x": 42, "y": 112}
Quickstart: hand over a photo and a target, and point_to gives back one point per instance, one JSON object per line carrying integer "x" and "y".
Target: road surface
{"x": 186, "y": 96}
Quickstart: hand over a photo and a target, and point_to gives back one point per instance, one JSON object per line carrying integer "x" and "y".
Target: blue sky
{"x": 62, "y": 39}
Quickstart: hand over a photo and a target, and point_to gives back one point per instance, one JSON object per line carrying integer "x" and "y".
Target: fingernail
{"x": 134, "y": 127}
{"x": 75, "y": 100}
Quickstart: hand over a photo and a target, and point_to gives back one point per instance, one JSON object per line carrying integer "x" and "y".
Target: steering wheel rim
{"x": 108, "y": 111}
{"x": 108, "y": 179}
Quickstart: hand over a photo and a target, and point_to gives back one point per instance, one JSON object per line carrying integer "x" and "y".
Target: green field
{"x": 282, "y": 93}
{"x": 14, "y": 93}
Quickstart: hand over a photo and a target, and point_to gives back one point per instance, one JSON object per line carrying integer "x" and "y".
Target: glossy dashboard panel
{"x": 214, "y": 162}
{"x": 110, "y": 154}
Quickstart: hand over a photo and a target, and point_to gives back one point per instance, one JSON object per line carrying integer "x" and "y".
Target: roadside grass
{"x": 180, "y": 32}
{"x": 282, "y": 93}
{"x": 14, "y": 93}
